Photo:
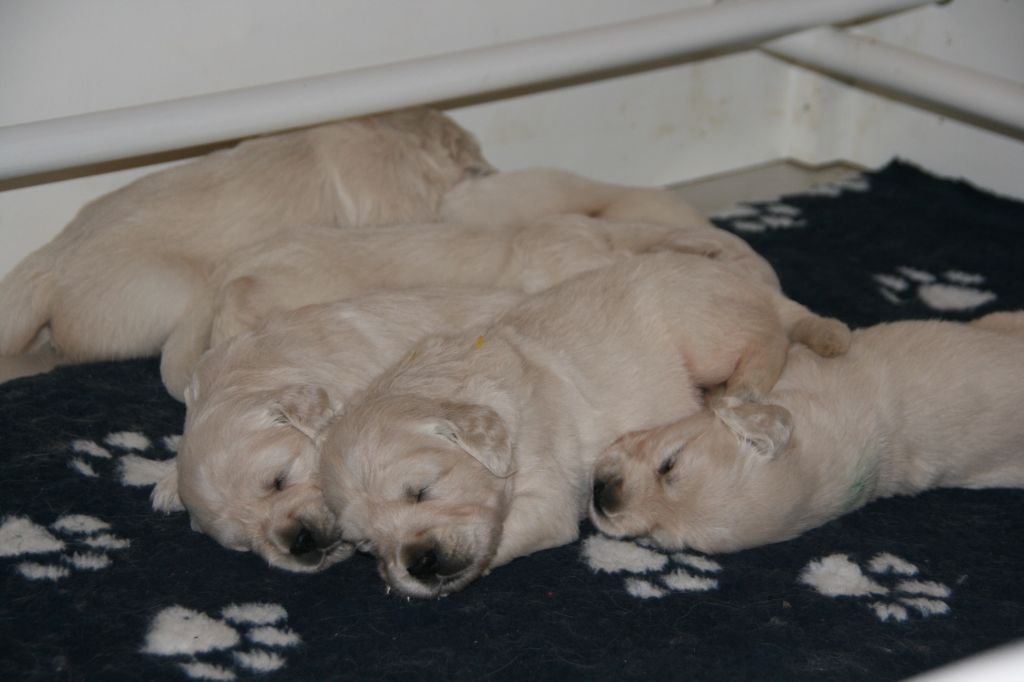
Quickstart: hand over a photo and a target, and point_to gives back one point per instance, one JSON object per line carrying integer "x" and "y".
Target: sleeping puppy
{"x": 513, "y": 198}
{"x": 115, "y": 281}
{"x": 477, "y": 447}
{"x": 246, "y": 466}
{"x": 911, "y": 406}
{"x": 316, "y": 265}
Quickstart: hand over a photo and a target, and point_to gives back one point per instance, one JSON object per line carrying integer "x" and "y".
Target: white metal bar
{"x": 90, "y": 138}
{"x": 951, "y": 86}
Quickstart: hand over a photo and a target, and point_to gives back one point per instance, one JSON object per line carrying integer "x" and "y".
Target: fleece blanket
{"x": 96, "y": 586}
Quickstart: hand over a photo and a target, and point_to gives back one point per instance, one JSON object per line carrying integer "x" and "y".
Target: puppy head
{"x": 423, "y": 485}
{"x": 247, "y": 474}
{"x": 711, "y": 482}
{"x": 442, "y": 138}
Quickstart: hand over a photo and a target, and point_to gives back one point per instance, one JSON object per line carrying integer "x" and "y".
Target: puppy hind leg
{"x": 124, "y": 310}
{"x": 826, "y": 336}
{"x": 759, "y": 367}
{"x": 187, "y": 342}
{"x": 25, "y": 300}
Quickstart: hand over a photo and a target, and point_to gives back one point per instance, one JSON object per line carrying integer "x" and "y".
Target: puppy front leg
{"x": 534, "y": 523}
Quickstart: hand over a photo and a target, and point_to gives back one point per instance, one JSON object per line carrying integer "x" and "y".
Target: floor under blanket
{"x": 97, "y": 586}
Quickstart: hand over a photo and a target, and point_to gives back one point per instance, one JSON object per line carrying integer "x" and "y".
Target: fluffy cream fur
{"x": 477, "y": 447}
{"x": 316, "y": 265}
{"x": 912, "y": 406}
{"x": 517, "y": 197}
{"x": 247, "y": 467}
{"x": 116, "y": 280}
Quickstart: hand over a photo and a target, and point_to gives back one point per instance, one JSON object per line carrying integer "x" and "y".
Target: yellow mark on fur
{"x": 479, "y": 343}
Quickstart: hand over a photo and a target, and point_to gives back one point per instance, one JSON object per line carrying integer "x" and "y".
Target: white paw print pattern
{"x": 74, "y": 542}
{"x": 132, "y": 469}
{"x": 756, "y": 218}
{"x": 837, "y": 575}
{"x": 653, "y": 574}
{"x": 851, "y": 183}
{"x": 952, "y": 290}
{"x": 255, "y": 635}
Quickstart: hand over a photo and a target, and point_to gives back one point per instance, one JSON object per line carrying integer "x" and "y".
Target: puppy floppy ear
{"x": 304, "y": 408}
{"x": 165, "y": 497}
{"x": 766, "y": 428}
{"x": 479, "y": 431}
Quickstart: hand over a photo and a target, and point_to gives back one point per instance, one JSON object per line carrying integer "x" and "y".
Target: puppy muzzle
{"x": 427, "y": 570}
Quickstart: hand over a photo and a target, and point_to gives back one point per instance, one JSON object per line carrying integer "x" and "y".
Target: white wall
{"x": 829, "y": 120}
{"x": 63, "y": 57}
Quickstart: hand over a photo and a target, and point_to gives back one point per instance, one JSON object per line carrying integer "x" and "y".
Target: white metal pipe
{"x": 90, "y": 138}
{"x": 951, "y": 86}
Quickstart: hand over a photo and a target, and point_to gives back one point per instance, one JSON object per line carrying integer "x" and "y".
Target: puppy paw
{"x": 826, "y": 336}
{"x": 697, "y": 246}
{"x": 164, "y": 496}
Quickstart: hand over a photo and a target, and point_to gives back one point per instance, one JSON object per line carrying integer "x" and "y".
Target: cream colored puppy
{"x": 911, "y": 406}
{"x": 116, "y": 281}
{"x": 316, "y": 265}
{"x": 247, "y": 467}
{"x": 477, "y": 447}
{"x": 515, "y": 197}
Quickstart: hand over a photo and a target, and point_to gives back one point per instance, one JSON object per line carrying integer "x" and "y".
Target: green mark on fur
{"x": 856, "y": 491}
{"x": 862, "y": 488}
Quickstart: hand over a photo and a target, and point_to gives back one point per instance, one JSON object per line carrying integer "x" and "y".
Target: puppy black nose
{"x": 607, "y": 497}
{"x": 424, "y": 565}
{"x": 303, "y": 543}
{"x": 430, "y": 565}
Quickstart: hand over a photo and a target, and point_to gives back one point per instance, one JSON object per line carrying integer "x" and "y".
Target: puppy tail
{"x": 186, "y": 344}
{"x": 826, "y": 336}
{"x": 25, "y": 296}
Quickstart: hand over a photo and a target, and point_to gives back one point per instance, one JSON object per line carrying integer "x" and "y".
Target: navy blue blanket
{"x": 97, "y": 586}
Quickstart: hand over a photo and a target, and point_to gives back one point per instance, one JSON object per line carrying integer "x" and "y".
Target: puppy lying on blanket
{"x": 912, "y": 406}
{"x": 316, "y": 265}
{"x": 517, "y": 197}
{"x": 117, "y": 279}
{"x": 246, "y": 466}
{"x": 477, "y": 447}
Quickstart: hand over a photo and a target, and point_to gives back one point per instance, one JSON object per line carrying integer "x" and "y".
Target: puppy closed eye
{"x": 669, "y": 463}
{"x": 279, "y": 483}
{"x": 417, "y": 495}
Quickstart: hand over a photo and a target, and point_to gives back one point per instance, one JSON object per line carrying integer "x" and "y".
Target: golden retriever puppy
{"x": 246, "y": 469}
{"x": 116, "y": 280}
{"x": 477, "y": 447}
{"x": 316, "y": 265}
{"x": 911, "y": 406}
{"x": 515, "y": 197}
